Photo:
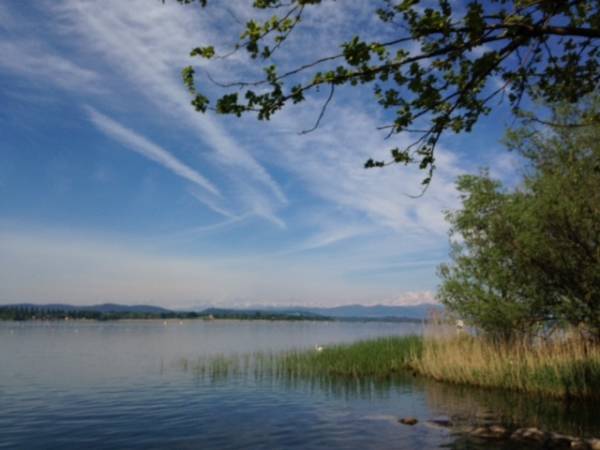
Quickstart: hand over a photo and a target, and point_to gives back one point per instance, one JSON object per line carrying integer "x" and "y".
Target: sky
{"x": 113, "y": 189}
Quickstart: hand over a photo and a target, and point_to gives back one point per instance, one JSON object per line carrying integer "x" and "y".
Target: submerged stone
{"x": 498, "y": 430}
{"x": 490, "y": 432}
{"x": 408, "y": 421}
{"x": 532, "y": 434}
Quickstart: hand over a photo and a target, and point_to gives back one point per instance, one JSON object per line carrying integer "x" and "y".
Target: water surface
{"x": 128, "y": 385}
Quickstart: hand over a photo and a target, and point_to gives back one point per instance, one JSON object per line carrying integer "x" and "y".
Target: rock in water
{"x": 498, "y": 430}
{"x": 480, "y": 432}
{"x": 408, "y": 421}
{"x": 532, "y": 434}
{"x": 490, "y": 432}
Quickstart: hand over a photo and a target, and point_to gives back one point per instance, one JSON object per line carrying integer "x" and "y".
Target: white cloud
{"x": 150, "y": 150}
{"x": 37, "y": 61}
{"x": 195, "y": 231}
{"x": 328, "y": 237}
{"x": 148, "y": 44}
{"x": 330, "y": 162}
{"x": 213, "y": 204}
{"x": 330, "y": 231}
{"x": 508, "y": 167}
{"x": 139, "y": 47}
{"x": 327, "y": 163}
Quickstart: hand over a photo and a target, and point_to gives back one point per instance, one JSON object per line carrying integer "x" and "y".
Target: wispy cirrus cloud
{"x": 213, "y": 204}
{"x": 330, "y": 163}
{"x": 34, "y": 60}
{"x": 343, "y": 234}
{"x": 150, "y": 150}
{"x": 158, "y": 39}
{"x": 325, "y": 238}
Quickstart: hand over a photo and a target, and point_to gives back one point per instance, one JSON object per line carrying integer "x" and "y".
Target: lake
{"x": 131, "y": 384}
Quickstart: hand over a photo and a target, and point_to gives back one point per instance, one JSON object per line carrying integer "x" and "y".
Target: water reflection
{"x": 479, "y": 406}
{"x": 455, "y": 409}
{"x": 138, "y": 386}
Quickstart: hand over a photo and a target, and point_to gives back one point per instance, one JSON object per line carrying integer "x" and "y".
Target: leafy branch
{"x": 447, "y": 84}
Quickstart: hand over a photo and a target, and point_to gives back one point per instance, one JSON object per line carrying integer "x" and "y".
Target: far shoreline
{"x": 111, "y": 311}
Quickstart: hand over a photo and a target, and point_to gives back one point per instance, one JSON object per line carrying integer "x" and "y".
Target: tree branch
{"x": 322, "y": 113}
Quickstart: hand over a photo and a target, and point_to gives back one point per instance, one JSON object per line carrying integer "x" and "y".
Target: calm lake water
{"x": 130, "y": 385}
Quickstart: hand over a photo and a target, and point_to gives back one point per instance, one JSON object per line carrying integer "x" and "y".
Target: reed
{"x": 563, "y": 368}
{"x": 380, "y": 357}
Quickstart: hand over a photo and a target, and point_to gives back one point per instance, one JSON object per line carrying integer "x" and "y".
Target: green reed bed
{"x": 380, "y": 357}
{"x": 565, "y": 369}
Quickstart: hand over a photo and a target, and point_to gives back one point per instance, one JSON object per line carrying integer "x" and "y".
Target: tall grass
{"x": 379, "y": 357}
{"x": 566, "y": 368}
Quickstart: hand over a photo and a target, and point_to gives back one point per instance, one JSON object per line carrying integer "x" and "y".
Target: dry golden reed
{"x": 565, "y": 368}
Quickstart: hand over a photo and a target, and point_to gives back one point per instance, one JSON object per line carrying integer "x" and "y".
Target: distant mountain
{"x": 420, "y": 312}
{"x": 102, "y": 308}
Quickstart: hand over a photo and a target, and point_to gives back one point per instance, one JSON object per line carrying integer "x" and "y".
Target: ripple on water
{"x": 121, "y": 386}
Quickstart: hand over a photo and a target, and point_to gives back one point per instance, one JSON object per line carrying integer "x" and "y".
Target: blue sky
{"x": 113, "y": 189}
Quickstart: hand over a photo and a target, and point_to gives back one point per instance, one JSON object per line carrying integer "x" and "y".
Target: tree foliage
{"x": 435, "y": 69}
{"x": 530, "y": 258}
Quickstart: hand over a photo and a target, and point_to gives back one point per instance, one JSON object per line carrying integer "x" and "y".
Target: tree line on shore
{"x": 30, "y": 312}
{"x": 21, "y": 313}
